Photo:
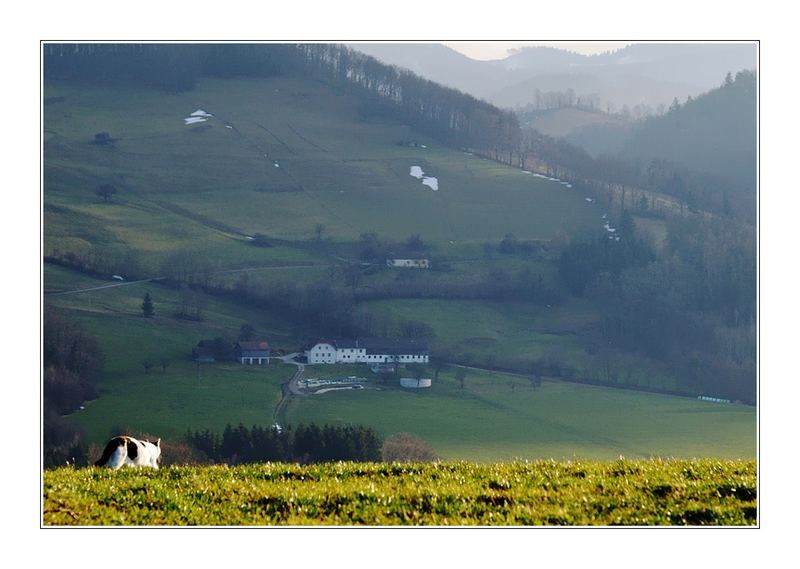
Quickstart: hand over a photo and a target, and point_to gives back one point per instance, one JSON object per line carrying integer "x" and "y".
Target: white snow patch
{"x": 192, "y": 120}
{"x": 545, "y": 177}
{"x": 431, "y": 182}
{"x": 548, "y": 178}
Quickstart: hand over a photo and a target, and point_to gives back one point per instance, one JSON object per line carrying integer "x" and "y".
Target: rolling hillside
{"x": 278, "y": 157}
{"x": 275, "y": 201}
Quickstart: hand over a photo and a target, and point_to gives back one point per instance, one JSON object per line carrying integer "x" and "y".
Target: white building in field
{"x": 368, "y": 351}
{"x": 409, "y": 263}
{"x": 415, "y": 383}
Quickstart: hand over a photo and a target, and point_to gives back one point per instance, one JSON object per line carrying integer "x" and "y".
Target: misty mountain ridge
{"x": 654, "y": 73}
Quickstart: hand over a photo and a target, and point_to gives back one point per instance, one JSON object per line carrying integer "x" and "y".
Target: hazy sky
{"x": 499, "y": 49}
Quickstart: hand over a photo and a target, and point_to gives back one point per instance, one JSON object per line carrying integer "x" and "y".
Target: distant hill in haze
{"x": 649, "y": 74}
{"x": 441, "y": 64}
{"x": 612, "y": 91}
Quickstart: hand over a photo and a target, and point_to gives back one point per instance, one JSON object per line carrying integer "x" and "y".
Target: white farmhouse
{"x": 409, "y": 263}
{"x": 368, "y": 351}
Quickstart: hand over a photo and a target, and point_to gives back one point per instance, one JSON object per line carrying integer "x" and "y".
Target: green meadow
{"x": 497, "y": 417}
{"x": 168, "y": 400}
{"x": 542, "y": 493}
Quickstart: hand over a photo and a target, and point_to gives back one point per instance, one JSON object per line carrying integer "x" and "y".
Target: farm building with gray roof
{"x": 368, "y": 350}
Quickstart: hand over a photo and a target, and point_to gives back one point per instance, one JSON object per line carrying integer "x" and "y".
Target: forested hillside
{"x": 713, "y": 134}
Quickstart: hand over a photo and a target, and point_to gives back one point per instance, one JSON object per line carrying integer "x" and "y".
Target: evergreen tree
{"x": 147, "y": 306}
{"x": 106, "y": 191}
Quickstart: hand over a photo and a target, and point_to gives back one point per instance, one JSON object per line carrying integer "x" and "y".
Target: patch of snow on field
{"x": 431, "y": 182}
{"x": 548, "y": 178}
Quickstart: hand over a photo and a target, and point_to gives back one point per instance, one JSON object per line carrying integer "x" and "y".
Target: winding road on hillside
{"x": 110, "y": 285}
{"x": 290, "y": 387}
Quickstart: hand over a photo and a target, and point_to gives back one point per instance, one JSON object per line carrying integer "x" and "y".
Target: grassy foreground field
{"x": 631, "y": 493}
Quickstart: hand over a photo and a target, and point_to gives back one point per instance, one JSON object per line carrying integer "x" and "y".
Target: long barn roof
{"x": 394, "y": 346}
